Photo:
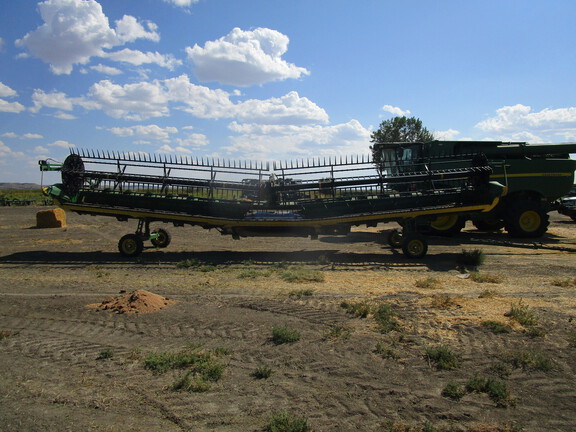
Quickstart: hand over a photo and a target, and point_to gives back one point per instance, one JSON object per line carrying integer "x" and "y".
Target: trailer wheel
{"x": 163, "y": 238}
{"x": 526, "y": 219}
{"x": 395, "y": 238}
{"x": 414, "y": 246}
{"x": 447, "y": 225}
{"x": 131, "y": 245}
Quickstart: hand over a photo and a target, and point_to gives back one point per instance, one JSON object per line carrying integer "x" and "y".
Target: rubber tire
{"x": 414, "y": 246}
{"x": 489, "y": 224}
{"x": 526, "y": 219}
{"x": 446, "y": 226}
{"x": 395, "y": 238}
{"x": 163, "y": 239}
{"x": 131, "y": 245}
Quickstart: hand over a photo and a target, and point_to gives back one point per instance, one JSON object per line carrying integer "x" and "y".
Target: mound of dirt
{"x": 139, "y": 301}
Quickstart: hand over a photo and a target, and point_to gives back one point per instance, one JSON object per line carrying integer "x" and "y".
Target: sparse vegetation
{"x": 488, "y": 293}
{"x": 473, "y": 257}
{"x": 254, "y": 274}
{"x": 302, "y": 275}
{"x": 442, "y": 302}
{"x": 496, "y": 327}
{"x": 284, "y": 335}
{"x": 485, "y": 278}
{"x": 385, "y": 318}
{"x": 443, "y": 357}
{"x": 454, "y": 391}
{"x": 564, "y": 283}
{"x": 386, "y": 350}
{"x": 429, "y": 282}
{"x": 523, "y": 314}
{"x": 105, "y": 354}
{"x": 297, "y": 294}
{"x": 263, "y": 372}
{"x": 358, "y": 309}
{"x": 191, "y": 383}
{"x": 496, "y": 390}
{"x": 528, "y": 360}
{"x": 337, "y": 331}
{"x": 285, "y": 422}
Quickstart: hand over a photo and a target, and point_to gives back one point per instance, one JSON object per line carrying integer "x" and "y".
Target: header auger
{"x": 321, "y": 196}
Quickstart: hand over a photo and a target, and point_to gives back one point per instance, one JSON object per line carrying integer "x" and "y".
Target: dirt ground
{"x": 67, "y": 367}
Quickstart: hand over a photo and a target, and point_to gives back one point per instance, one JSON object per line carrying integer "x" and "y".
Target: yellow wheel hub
{"x": 530, "y": 221}
{"x": 444, "y": 223}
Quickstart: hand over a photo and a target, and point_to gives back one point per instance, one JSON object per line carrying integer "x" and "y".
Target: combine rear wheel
{"x": 162, "y": 238}
{"x": 526, "y": 219}
{"x": 414, "y": 246}
{"x": 131, "y": 245}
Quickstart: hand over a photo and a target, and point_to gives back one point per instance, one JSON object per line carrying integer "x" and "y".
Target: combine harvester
{"x": 293, "y": 198}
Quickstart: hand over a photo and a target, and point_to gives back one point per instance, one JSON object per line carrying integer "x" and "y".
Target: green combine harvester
{"x": 290, "y": 198}
{"x": 536, "y": 176}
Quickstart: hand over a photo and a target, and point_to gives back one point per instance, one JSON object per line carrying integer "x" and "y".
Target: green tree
{"x": 398, "y": 129}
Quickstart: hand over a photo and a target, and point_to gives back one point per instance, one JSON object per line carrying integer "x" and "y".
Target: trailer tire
{"x": 526, "y": 219}
{"x": 395, "y": 238}
{"x": 163, "y": 239}
{"x": 414, "y": 246}
{"x": 131, "y": 245}
{"x": 447, "y": 226}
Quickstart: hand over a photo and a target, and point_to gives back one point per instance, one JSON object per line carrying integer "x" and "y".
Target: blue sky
{"x": 277, "y": 79}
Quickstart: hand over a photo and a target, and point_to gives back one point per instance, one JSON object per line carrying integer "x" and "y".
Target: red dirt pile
{"x": 139, "y": 301}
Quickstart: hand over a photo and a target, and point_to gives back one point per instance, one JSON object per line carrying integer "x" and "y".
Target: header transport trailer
{"x": 536, "y": 175}
{"x": 243, "y": 198}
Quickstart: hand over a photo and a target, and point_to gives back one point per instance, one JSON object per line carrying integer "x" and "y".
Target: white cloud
{"x": 519, "y": 122}
{"x": 11, "y": 107}
{"x": 395, "y": 110}
{"x": 261, "y": 141}
{"x": 107, "y": 70}
{"x": 446, "y": 135}
{"x": 6, "y": 153}
{"x": 76, "y": 30}
{"x": 152, "y": 132}
{"x": 132, "y": 101}
{"x": 181, "y": 3}
{"x": 139, "y": 58}
{"x": 167, "y": 149}
{"x": 194, "y": 140}
{"x": 6, "y": 91}
{"x": 244, "y": 58}
{"x": 64, "y": 116}
{"x": 62, "y": 144}
{"x": 128, "y": 29}
{"x": 57, "y": 100}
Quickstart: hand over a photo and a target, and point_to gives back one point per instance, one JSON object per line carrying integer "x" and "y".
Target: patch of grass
{"x": 528, "y": 360}
{"x": 473, "y": 257}
{"x": 442, "y": 302}
{"x": 284, "y": 335}
{"x": 358, "y": 309}
{"x": 191, "y": 383}
{"x": 262, "y": 372}
{"x": 188, "y": 263}
{"x": 285, "y": 422}
{"x": 385, "y": 318}
{"x": 5, "y": 334}
{"x": 443, "y": 357}
{"x": 523, "y": 314}
{"x": 105, "y": 354}
{"x": 337, "y": 331}
{"x": 564, "y": 283}
{"x": 496, "y": 327}
{"x": 207, "y": 268}
{"x": 323, "y": 260}
{"x": 391, "y": 426}
{"x": 297, "y": 294}
{"x": 222, "y": 351}
{"x": 202, "y": 364}
{"x": 485, "y": 278}
{"x": 454, "y": 391}
{"x": 302, "y": 275}
{"x": 496, "y": 390}
{"x": 254, "y": 274}
{"x": 386, "y": 351}
{"x": 488, "y": 293}
{"x": 428, "y": 282}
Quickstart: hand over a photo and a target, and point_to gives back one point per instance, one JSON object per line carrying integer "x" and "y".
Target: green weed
{"x": 443, "y": 357}
{"x": 262, "y": 372}
{"x": 358, "y": 309}
{"x": 386, "y": 351}
{"x": 428, "y": 282}
{"x": 285, "y": 422}
{"x": 284, "y": 335}
{"x": 297, "y": 294}
{"x": 384, "y": 316}
{"x": 496, "y": 327}
{"x": 496, "y": 390}
{"x": 302, "y": 275}
{"x": 523, "y": 314}
{"x": 108, "y": 353}
{"x": 337, "y": 331}
{"x": 474, "y": 257}
{"x": 528, "y": 360}
{"x": 454, "y": 391}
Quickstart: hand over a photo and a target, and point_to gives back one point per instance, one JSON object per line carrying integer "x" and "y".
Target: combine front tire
{"x": 526, "y": 219}
{"x": 162, "y": 238}
{"x": 131, "y": 245}
{"x": 414, "y": 246}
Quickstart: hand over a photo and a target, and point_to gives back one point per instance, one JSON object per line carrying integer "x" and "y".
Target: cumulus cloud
{"x": 181, "y": 3}
{"x": 152, "y": 132}
{"x": 6, "y": 91}
{"x": 395, "y": 110}
{"x": 446, "y": 135}
{"x": 139, "y": 58}
{"x": 107, "y": 70}
{"x": 519, "y": 122}
{"x": 5, "y": 106}
{"x": 6, "y": 153}
{"x": 61, "y": 144}
{"x": 76, "y": 30}
{"x": 244, "y": 58}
